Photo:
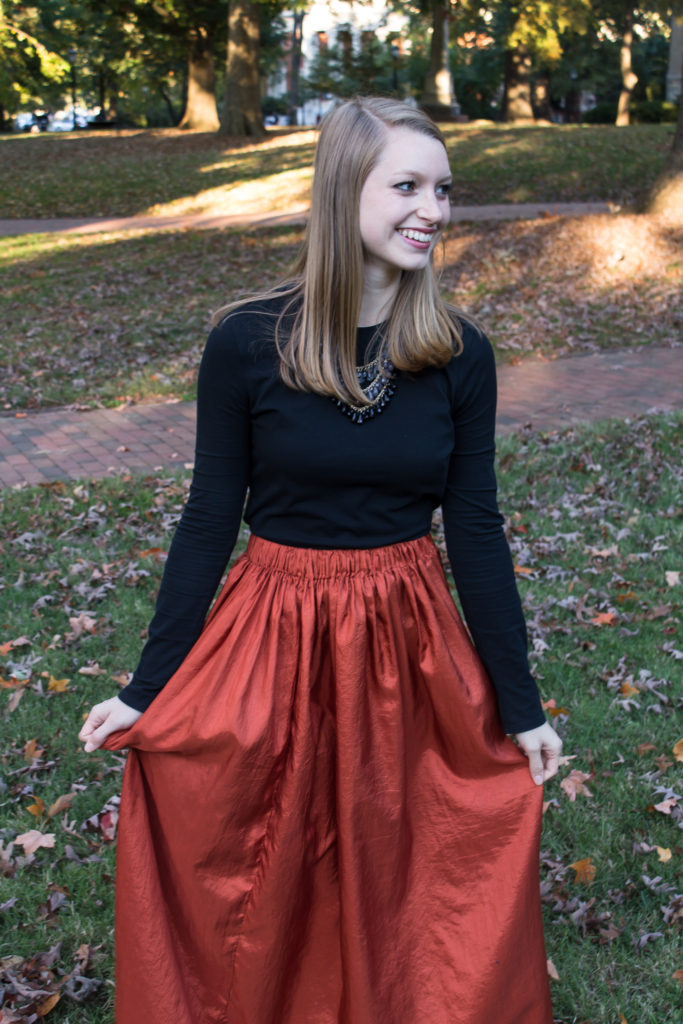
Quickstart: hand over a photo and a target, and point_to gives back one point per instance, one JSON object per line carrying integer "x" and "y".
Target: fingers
{"x": 542, "y": 747}
{"x": 104, "y": 719}
{"x": 536, "y": 766}
{"x": 552, "y": 762}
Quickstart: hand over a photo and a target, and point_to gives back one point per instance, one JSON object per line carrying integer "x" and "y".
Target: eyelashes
{"x": 409, "y": 186}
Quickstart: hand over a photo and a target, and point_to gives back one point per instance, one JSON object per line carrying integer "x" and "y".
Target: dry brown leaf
{"x": 32, "y": 751}
{"x": 666, "y": 806}
{"x": 573, "y": 785}
{"x": 585, "y": 871}
{"x": 34, "y": 840}
{"x": 605, "y": 619}
{"x": 678, "y": 976}
{"x": 48, "y": 1004}
{"x": 62, "y": 803}
{"x": 37, "y": 807}
{"x": 627, "y": 690}
{"x": 678, "y": 750}
{"x": 552, "y": 971}
{"x": 58, "y": 685}
{"x": 664, "y": 854}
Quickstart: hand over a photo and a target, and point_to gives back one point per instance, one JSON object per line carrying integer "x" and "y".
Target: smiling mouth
{"x": 416, "y": 236}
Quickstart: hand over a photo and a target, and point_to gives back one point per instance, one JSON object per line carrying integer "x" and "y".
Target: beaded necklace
{"x": 378, "y": 384}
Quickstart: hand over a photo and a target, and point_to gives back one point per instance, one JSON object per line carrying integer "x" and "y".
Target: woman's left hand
{"x": 543, "y": 748}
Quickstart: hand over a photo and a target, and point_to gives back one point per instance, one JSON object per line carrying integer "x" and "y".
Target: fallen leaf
{"x": 552, "y": 971}
{"x": 585, "y": 871}
{"x": 81, "y": 624}
{"x": 33, "y": 840}
{"x": 605, "y": 619}
{"x": 663, "y": 762}
{"x": 643, "y": 748}
{"x": 32, "y": 751}
{"x": 673, "y": 578}
{"x": 48, "y": 1004}
{"x": 573, "y": 785}
{"x": 108, "y": 825}
{"x": 627, "y": 690}
{"x": 62, "y": 803}
{"x": 58, "y": 685}
{"x": 678, "y": 750}
{"x": 92, "y": 670}
{"x": 664, "y": 854}
{"x": 666, "y": 806}
{"x": 37, "y": 807}
{"x": 678, "y": 976}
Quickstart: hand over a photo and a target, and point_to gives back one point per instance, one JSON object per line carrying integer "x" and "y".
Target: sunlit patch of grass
{"x": 121, "y": 173}
{"x": 285, "y": 191}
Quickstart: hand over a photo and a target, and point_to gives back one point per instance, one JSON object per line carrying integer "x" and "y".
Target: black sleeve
{"x": 475, "y": 540}
{"x": 210, "y": 522}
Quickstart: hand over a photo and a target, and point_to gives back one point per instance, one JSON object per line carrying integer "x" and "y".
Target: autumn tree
{"x": 29, "y": 66}
{"x": 242, "y": 101}
{"x": 666, "y": 196}
{"x": 438, "y": 96}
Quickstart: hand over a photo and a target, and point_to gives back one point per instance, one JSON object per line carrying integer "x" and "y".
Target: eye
{"x": 445, "y": 189}
{"x": 405, "y": 186}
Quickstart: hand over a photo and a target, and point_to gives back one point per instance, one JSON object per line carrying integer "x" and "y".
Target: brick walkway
{"x": 41, "y": 447}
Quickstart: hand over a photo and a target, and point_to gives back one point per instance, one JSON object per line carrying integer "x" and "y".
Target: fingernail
{"x": 538, "y": 779}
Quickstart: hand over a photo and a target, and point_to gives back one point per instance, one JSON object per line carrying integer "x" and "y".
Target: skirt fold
{"x": 322, "y": 820}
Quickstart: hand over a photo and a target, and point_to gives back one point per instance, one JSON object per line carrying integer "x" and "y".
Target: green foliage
{"x": 29, "y": 68}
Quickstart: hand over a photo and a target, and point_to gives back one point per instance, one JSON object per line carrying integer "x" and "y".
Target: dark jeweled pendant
{"x": 377, "y": 384}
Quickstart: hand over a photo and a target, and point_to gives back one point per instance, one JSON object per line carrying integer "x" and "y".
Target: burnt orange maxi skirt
{"x": 322, "y": 821}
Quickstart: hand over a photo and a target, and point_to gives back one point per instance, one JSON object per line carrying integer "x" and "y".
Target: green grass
{"x": 592, "y": 518}
{"x": 131, "y": 172}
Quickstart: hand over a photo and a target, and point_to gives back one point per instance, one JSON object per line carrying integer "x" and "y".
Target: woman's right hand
{"x": 110, "y": 716}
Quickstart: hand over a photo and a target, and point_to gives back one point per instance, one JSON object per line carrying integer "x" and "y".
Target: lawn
{"x": 93, "y": 320}
{"x": 593, "y": 530}
{"x": 162, "y": 171}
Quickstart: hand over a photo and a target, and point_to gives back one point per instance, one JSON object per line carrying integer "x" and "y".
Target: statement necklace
{"x": 378, "y": 384}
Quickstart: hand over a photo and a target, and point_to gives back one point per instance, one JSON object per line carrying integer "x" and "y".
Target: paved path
{"x": 41, "y": 447}
{"x": 89, "y": 226}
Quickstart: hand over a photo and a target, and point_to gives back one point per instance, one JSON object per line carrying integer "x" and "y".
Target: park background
{"x": 529, "y": 97}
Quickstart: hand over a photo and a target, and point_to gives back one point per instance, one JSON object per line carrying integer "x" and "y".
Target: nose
{"x": 433, "y": 209}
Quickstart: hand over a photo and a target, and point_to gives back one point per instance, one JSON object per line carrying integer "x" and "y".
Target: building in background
{"x": 335, "y": 25}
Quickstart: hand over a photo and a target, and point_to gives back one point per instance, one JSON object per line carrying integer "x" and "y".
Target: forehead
{"x": 405, "y": 149}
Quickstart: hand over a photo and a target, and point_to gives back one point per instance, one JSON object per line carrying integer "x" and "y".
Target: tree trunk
{"x": 438, "y": 96}
{"x": 541, "y": 101}
{"x": 295, "y": 66}
{"x": 517, "y": 87}
{"x": 169, "y": 104}
{"x": 666, "y": 195}
{"x": 628, "y": 77}
{"x": 200, "y": 110}
{"x": 242, "y": 105}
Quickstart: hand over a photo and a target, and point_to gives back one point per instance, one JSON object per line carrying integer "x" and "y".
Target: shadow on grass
{"x": 97, "y": 319}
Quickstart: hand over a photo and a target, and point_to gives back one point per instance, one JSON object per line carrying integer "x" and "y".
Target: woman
{"x": 323, "y": 820}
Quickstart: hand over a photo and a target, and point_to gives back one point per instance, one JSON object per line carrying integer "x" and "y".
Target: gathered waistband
{"x": 323, "y": 563}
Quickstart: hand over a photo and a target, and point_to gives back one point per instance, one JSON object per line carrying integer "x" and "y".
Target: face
{"x": 404, "y": 203}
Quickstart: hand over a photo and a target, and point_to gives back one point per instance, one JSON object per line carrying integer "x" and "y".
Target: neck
{"x": 379, "y": 292}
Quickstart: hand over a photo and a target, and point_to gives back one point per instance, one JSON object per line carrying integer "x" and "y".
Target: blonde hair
{"x": 325, "y": 288}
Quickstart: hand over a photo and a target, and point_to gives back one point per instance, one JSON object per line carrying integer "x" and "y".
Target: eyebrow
{"x": 416, "y": 174}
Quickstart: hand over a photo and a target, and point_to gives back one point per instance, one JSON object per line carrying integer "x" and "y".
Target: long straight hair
{"x": 324, "y": 290}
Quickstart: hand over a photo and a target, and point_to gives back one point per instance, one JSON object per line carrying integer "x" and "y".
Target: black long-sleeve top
{"x": 316, "y": 479}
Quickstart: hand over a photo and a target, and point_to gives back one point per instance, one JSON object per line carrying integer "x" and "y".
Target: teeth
{"x": 417, "y": 236}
